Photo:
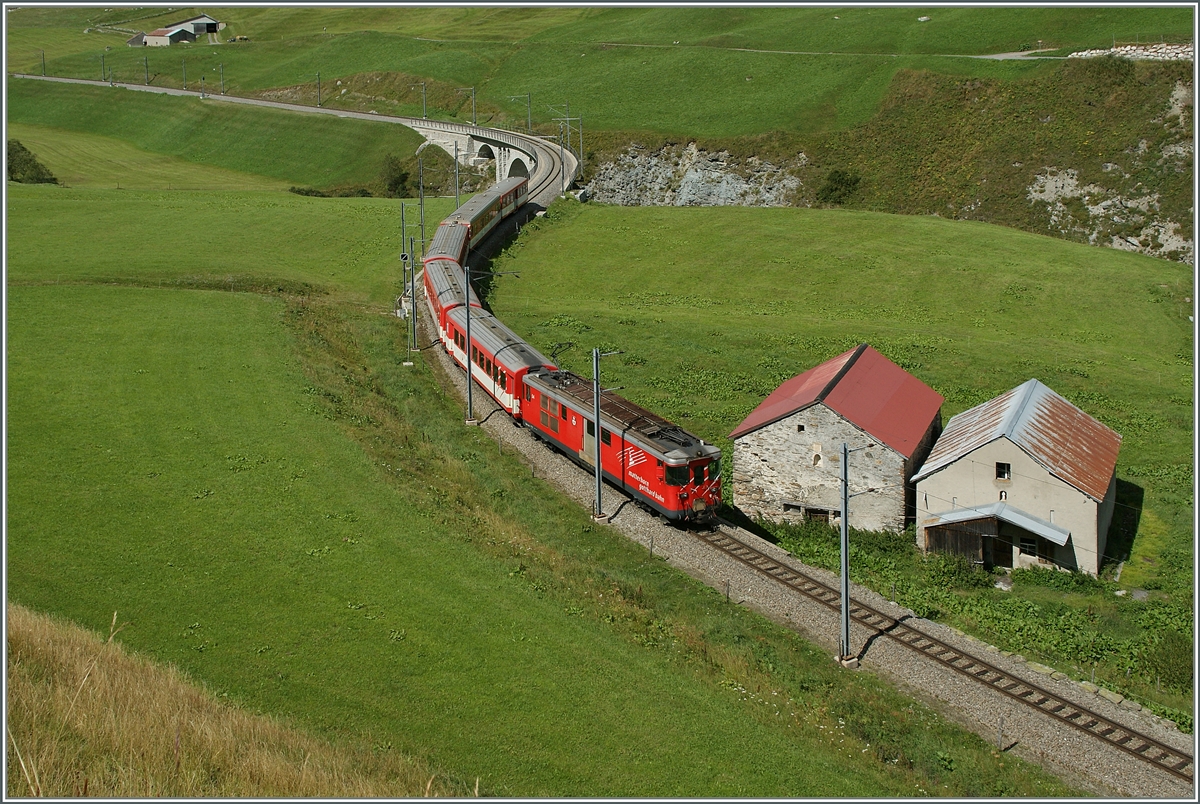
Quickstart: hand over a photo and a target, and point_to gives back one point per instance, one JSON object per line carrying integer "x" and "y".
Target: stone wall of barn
{"x": 792, "y": 469}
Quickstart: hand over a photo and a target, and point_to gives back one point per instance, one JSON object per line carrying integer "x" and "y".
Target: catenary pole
{"x": 469, "y": 349}
{"x": 845, "y": 544}
{"x": 598, "y": 513}
{"x": 412, "y": 258}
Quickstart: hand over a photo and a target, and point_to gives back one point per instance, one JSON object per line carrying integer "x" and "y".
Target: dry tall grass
{"x": 85, "y": 717}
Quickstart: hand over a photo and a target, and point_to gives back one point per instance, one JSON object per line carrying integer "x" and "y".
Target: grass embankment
{"x": 289, "y": 515}
{"x": 715, "y": 307}
{"x": 729, "y": 72}
{"x": 315, "y": 150}
{"x": 88, "y": 160}
{"x": 87, "y": 718}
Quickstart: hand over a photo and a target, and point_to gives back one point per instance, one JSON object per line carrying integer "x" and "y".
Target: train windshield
{"x": 678, "y": 475}
{"x": 714, "y": 468}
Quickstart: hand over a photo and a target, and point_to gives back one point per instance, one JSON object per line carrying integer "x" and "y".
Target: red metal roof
{"x": 863, "y": 387}
{"x": 1067, "y": 442}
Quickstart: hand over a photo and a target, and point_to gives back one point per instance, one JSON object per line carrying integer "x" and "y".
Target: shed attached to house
{"x": 1024, "y": 479}
{"x": 787, "y": 452}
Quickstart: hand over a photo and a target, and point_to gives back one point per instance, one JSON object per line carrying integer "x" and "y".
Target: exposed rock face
{"x": 687, "y": 176}
{"x": 1118, "y": 216}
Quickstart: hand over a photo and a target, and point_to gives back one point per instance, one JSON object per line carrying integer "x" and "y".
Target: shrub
{"x": 313, "y": 191}
{"x": 1056, "y": 579}
{"x": 394, "y": 177}
{"x": 1172, "y": 660}
{"x": 24, "y": 167}
{"x": 943, "y": 571}
{"x": 839, "y": 186}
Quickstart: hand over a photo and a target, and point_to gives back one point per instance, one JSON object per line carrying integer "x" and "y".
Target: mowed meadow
{"x": 217, "y": 440}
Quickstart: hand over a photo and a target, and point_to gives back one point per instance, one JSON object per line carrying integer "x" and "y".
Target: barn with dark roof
{"x": 787, "y": 452}
{"x": 1024, "y": 479}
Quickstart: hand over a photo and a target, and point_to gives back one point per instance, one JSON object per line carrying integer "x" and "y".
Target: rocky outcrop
{"x": 687, "y": 176}
{"x": 1114, "y": 213}
{"x": 1148, "y": 52}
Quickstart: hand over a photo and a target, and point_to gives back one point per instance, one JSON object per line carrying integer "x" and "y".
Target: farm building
{"x": 1024, "y": 479}
{"x": 163, "y": 37}
{"x": 787, "y": 452}
{"x": 183, "y": 31}
{"x": 201, "y": 24}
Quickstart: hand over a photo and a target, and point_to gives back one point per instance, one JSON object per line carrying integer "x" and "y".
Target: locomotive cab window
{"x": 678, "y": 475}
{"x": 698, "y": 474}
{"x": 605, "y": 436}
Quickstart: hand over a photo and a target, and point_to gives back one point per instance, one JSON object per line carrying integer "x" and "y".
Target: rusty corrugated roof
{"x": 1067, "y": 442}
{"x": 863, "y": 387}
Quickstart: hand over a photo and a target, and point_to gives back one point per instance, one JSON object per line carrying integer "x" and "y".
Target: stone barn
{"x": 787, "y": 452}
{"x": 1025, "y": 479}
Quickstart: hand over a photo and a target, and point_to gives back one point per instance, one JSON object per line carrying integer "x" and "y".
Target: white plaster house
{"x": 787, "y": 452}
{"x": 1025, "y": 479}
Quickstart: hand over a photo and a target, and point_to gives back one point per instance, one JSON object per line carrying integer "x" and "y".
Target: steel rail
{"x": 1145, "y": 748}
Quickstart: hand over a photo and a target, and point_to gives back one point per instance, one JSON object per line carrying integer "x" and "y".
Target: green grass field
{"x": 113, "y": 235}
{"x": 742, "y": 299}
{"x": 83, "y": 160}
{"x": 286, "y": 513}
{"x": 210, "y": 430}
{"x": 732, "y": 72}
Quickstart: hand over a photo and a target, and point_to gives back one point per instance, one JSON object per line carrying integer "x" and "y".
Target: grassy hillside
{"x": 700, "y": 72}
{"x": 248, "y": 239}
{"x": 715, "y": 307}
{"x": 270, "y": 498}
{"x": 320, "y": 151}
{"x": 87, "y": 718}
{"x": 88, "y": 160}
{"x": 741, "y": 299}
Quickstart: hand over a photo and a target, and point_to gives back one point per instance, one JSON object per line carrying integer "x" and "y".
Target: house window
{"x": 1003, "y": 471}
{"x": 1029, "y": 545}
{"x": 799, "y": 428}
{"x": 1003, "y": 496}
{"x": 817, "y": 459}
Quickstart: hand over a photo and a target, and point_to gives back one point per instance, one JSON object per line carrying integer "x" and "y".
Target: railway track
{"x": 1145, "y": 748}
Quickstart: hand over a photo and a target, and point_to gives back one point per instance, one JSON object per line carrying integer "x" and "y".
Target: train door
{"x": 588, "y": 453}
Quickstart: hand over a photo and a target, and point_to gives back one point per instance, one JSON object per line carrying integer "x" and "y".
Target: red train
{"x": 659, "y": 464}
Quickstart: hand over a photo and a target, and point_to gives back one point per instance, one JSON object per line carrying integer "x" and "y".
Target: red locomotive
{"x": 659, "y": 464}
